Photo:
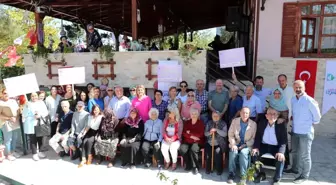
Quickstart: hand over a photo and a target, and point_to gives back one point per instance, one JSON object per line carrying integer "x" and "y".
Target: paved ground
{"x": 57, "y": 171}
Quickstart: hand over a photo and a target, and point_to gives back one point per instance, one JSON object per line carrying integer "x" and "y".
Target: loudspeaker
{"x": 233, "y": 18}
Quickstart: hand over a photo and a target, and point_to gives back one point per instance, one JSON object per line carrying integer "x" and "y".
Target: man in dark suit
{"x": 271, "y": 137}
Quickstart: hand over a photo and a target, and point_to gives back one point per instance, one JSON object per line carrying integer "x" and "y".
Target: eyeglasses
{"x": 190, "y": 95}
{"x": 110, "y": 90}
{"x": 183, "y": 86}
{"x": 132, "y": 90}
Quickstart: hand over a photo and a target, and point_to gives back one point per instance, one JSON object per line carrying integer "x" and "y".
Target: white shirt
{"x": 288, "y": 94}
{"x": 182, "y": 98}
{"x": 52, "y": 105}
{"x": 269, "y": 136}
{"x": 94, "y": 123}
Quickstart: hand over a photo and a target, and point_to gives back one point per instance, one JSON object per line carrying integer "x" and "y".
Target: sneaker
{"x": 36, "y": 157}
{"x": 123, "y": 165}
{"x": 195, "y": 171}
{"x": 300, "y": 180}
{"x": 11, "y": 158}
{"x": 242, "y": 182}
{"x": 61, "y": 154}
{"x": 147, "y": 165}
{"x": 276, "y": 182}
{"x": 260, "y": 177}
{"x": 160, "y": 167}
{"x": 16, "y": 155}
{"x": 291, "y": 171}
{"x": 133, "y": 167}
{"x": 42, "y": 155}
{"x": 230, "y": 178}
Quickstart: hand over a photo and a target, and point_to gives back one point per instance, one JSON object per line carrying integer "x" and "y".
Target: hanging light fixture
{"x": 138, "y": 15}
{"x": 160, "y": 26}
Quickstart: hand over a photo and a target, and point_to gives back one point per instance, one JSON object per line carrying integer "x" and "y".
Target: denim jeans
{"x": 10, "y": 139}
{"x": 244, "y": 159}
{"x": 205, "y": 118}
{"x": 301, "y": 152}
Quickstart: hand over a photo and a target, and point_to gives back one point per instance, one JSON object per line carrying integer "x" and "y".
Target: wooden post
{"x": 117, "y": 34}
{"x": 191, "y": 36}
{"x": 39, "y": 28}
{"x": 134, "y": 20}
{"x": 185, "y": 35}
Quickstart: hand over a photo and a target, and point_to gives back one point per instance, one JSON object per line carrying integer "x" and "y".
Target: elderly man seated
{"x": 241, "y": 139}
{"x": 59, "y": 141}
{"x": 271, "y": 138}
{"x": 78, "y": 124}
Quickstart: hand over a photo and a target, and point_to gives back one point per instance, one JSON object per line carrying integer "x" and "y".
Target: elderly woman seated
{"x": 241, "y": 138}
{"x": 107, "y": 137}
{"x": 130, "y": 144}
{"x": 192, "y": 140}
{"x": 172, "y": 131}
{"x": 152, "y": 138}
{"x": 215, "y": 133}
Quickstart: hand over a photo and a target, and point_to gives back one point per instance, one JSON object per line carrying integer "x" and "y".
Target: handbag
{"x": 43, "y": 129}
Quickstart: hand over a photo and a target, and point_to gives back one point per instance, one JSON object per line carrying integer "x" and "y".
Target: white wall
{"x": 130, "y": 67}
{"x": 270, "y": 28}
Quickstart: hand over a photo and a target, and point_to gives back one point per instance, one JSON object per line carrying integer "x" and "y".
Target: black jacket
{"x": 280, "y": 132}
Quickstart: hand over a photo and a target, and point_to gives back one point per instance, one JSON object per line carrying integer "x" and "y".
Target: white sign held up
{"x": 232, "y": 58}
{"x": 75, "y": 75}
{"x": 21, "y": 85}
{"x": 169, "y": 71}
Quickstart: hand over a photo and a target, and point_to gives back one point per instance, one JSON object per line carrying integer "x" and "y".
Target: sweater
{"x": 79, "y": 122}
{"x": 196, "y": 130}
{"x": 153, "y": 130}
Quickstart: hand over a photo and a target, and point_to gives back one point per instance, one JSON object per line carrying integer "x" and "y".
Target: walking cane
{"x": 213, "y": 151}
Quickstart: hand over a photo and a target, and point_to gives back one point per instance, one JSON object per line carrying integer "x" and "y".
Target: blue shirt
{"x": 243, "y": 127}
{"x": 94, "y": 101}
{"x": 234, "y": 106}
{"x": 306, "y": 112}
{"x": 120, "y": 107}
{"x": 262, "y": 95}
{"x": 254, "y": 104}
{"x": 65, "y": 122}
{"x": 162, "y": 107}
{"x": 269, "y": 136}
{"x": 203, "y": 100}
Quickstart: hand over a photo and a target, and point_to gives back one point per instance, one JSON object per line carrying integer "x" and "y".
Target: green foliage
{"x": 106, "y": 51}
{"x": 251, "y": 171}
{"x": 15, "y": 23}
{"x": 74, "y": 31}
{"x": 40, "y": 52}
{"x": 7, "y": 72}
{"x": 201, "y": 38}
{"x": 187, "y": 52}
{"x": 163, "y": 177}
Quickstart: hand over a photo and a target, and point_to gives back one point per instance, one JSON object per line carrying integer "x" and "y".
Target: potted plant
{"x": 188, "y": 51}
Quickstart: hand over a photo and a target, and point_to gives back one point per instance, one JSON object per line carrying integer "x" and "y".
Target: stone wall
{"x": 130, "y": 67}
{"x": 270, "y": 69}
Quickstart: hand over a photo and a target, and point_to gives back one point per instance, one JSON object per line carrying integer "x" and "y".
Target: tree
{"x": 15, "y": 23}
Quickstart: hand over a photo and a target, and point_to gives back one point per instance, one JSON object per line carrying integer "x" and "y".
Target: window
{"x": 314, "y": 33}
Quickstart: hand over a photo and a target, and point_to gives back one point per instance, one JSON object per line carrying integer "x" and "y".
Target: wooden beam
{"x": 134, "y": 20}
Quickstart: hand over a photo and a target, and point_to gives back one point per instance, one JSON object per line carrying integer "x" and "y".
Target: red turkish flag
{"x": 306, "y": 71}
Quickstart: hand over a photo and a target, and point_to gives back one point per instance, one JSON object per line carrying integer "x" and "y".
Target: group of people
{"x": 145, "y": 130}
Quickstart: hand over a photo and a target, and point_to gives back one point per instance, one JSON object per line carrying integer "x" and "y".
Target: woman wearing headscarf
{"x": 189, "y": 104}
{"x": 107, "y": 137}
{"x": 218, "y": 128}
{"x": 130, "y": 144}
{"x": 278, "y": 102}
